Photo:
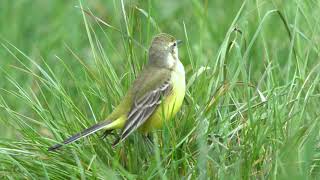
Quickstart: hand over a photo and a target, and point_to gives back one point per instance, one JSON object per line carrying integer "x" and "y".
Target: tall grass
{"x": 252, "y": 104}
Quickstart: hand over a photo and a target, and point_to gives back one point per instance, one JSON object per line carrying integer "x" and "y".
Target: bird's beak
{"x": 179, "y": 42}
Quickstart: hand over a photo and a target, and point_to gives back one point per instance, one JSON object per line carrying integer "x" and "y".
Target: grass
{"x": 252, "y": 104}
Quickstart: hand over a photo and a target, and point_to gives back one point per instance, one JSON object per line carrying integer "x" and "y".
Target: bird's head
{"x": 163, "y": 51}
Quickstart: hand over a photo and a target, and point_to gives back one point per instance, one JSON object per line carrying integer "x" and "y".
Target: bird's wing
{"x": 149, "y": 91}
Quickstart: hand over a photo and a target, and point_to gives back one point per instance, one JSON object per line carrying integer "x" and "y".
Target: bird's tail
{"x": 82, "y": 134}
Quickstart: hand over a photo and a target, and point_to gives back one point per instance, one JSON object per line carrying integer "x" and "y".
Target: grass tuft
{"x": 250, "y": 112}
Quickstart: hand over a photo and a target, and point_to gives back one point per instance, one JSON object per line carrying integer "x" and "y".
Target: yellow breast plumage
{"x": 171, "y": 103}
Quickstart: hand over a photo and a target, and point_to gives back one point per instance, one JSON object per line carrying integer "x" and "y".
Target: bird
{"x": 155, "y": 96}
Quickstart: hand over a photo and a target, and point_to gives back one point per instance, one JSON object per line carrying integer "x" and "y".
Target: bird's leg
{"x": 149, "y": 139}
{"x": 106, "y": 133}
{"x": 149, "y": 142}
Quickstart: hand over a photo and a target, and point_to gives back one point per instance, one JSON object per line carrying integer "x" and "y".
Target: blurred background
{"x": 62, "y": 69}
{"x": 47, "y": 30}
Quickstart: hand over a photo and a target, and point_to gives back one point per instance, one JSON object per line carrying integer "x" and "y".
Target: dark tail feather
{"x": 82, "y": 134}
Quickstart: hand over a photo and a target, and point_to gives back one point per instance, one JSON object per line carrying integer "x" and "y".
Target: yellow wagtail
{"x": 156, "y": 95}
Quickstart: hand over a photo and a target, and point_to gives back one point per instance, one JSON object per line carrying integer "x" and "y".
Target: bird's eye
{"x": 174, "y": 44}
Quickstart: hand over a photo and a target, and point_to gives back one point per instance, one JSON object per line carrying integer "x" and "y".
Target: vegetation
{"x": 252, "y": 104}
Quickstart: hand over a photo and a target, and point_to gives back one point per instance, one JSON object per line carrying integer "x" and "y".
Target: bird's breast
{"x": 174, "y": 101}
{"x": 171, "y": 104}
